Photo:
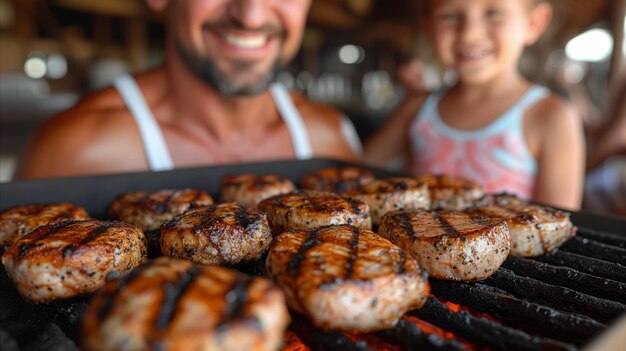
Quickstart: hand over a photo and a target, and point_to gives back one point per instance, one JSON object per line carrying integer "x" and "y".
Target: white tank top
{"x": 156, "y": 150}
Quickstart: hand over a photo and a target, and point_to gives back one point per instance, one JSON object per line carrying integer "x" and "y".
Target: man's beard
{"x": 208, "y": 72}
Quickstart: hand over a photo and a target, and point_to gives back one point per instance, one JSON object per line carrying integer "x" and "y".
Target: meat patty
{"x": 219, "y": 234}
{"x": 171, "y": 304}
{"x": 391, "y": 194}
{"x": 449, "y": 245}
{"x": 250, "y": 189}
{"x": 312, "y": 209}
{"x": 500, "y": 199}
{"x": 336, "y": 179}
{"x": 150, "y": 210}
{"x": 451, "y": 193}
{"x": 346, "y": 278}
{"x": 15, "y": 222}
{"x": 71, "y": 258}
{"x": 535, "y": 230}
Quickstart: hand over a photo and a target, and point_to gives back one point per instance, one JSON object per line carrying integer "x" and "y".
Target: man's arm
{"x": 81, "y": 141}
{"x": 561, "y": 157}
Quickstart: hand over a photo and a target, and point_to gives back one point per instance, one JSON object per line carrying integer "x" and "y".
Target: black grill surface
{"x": 560, "y": 301}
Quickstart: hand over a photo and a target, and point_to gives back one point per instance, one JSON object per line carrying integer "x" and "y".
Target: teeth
{"x": 474, "y": 54}
{"x": 247, "y": 42}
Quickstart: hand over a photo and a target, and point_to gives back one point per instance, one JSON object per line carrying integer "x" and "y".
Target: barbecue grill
{"x": 561, "y": 301}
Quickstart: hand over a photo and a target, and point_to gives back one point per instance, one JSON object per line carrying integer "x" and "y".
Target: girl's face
{"x": 482, "y": 39}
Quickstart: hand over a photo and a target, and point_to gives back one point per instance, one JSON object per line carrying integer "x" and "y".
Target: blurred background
{"x": 358, "y": 55}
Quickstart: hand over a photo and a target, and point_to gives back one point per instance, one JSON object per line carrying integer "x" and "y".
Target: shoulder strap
{"x": 533, "y": 95}
{"x": 290, "y": 115}
{"x": 153, "y": 141}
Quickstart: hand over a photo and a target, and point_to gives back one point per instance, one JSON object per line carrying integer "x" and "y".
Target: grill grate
{"x": 553, "y": 302}
{"x": 568, "y": 277}
{"x": 483, "y": 331}
{"x": 556, "y": 296}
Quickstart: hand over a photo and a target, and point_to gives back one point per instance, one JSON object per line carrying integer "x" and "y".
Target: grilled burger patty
{"x": 451, "y": 193}
{"x": 336, "y": 179}
{"x": 391, "y": 194}
{"x": 172, "y": 304}
{"x": 73, "y": 257}
{"x": 312, "y": 209}
{"x": 500, "y": 199}
{"x": 15, "y": 222}
{"x": 535, "y": 230}
{"x": 250, "y": 189}
{"x": 149, "y": 210}
{"x": 219, "y": 234}
{"x": 343, "y": 277}
{"x": 450, "y": 245}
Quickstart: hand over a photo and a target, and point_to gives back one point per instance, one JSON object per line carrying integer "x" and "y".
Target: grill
{"x": 560, "y": 301}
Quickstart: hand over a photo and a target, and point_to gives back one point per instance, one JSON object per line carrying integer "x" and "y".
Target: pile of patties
{"x": 162, "y": 267}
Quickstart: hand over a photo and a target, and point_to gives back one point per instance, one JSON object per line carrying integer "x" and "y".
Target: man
{"x": 210, "y": 103}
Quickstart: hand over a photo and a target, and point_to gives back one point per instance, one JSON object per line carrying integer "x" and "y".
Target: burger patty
{"x": 336, "y": 179}
{"x": 449, "y": 244}
{"x": 172, "y": 304}
{"x": 250, "y": 189}
{"x": 149, "y": 210}
{"x": 312, "y": 209}
{"x": 219, "y": 234}
{"x": 535, "y": 230}
{"x": 15, "y": 222}
{"x": 451, "y": 193}
{"x": 72, "y": 258}
{"x": 391, "y": 194}
{"x": 346, "y": 278}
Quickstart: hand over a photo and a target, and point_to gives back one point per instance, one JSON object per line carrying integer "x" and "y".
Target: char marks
{"x": 309, "y": 243}
{"x": 42, "y": 233}
{"x": 109, "y": 302}
{"x": 236, "y": 301}
{"x": 445, "y": 225}
{"x": 172, "y": 293}
{"x": 354, "y": 251}
{"x": 405, "y": 224}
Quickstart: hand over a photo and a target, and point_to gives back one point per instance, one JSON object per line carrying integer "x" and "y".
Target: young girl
{"x": 492, "y": 126}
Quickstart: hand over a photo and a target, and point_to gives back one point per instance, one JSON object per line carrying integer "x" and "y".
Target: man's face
{"x": 236, "y": 45}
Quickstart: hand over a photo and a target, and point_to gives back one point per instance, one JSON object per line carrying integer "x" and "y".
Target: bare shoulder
{"x": 88, "y": 138}
{"x": 324, "y": 125}
{"x": 552, "y": 111}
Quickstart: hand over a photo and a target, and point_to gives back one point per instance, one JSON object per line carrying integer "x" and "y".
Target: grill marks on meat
{"x": 149, "y": 210}
{"x": 535, "y": 230}
{"x": 391, "y": 194}
{"x": 71, "y": 258}
{"x": 250, "y": 189}
{"x": 336, "y": 179}
{"x": 312, "y": 209}
{"x": 176, "y": 305}
{"x": 451, "y": 193}
{"x": 346, "y": 278}
{"x": 15, "y": 222}
{"x": 219, "y": 234}
{"x": 450, "y": 245}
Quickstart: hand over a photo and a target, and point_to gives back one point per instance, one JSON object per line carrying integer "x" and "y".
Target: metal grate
{"x": 554, "y": 302}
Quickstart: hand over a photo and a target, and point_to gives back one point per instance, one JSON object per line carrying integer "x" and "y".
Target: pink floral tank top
{"x": 495, "y": 156}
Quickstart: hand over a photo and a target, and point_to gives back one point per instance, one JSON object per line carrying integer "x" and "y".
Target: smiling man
{"x": 212, "y": 102}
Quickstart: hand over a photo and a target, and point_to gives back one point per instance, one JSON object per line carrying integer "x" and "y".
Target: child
{"x": 492, "y": 126}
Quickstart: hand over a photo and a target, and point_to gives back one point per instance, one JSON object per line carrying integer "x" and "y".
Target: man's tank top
{"x": 156, "y": 150}
{"x": 495, "y": 156}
